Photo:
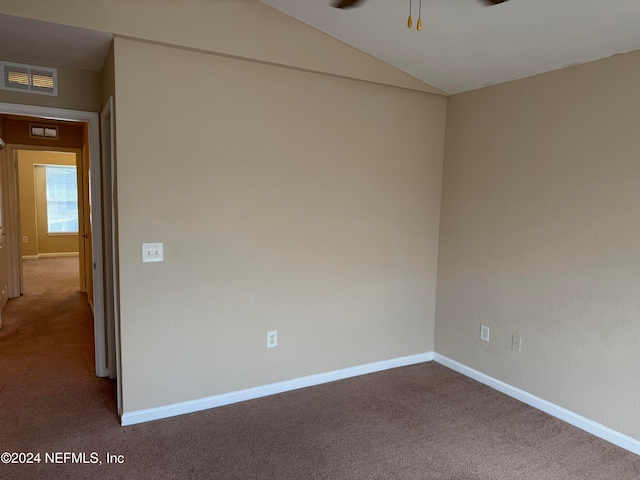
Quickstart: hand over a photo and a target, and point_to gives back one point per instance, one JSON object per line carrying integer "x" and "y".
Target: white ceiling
{"x": 464, "y": 45}
{"x": 33, "y": 41}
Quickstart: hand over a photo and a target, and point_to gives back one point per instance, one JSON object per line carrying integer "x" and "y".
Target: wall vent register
{"x": 18, "y": 77}
{"x": 43, "y": 131}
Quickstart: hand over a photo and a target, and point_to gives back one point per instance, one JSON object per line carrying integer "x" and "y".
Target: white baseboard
{"x": 597, "y": 429}
{"x": 58, "y": 254}
{"x": 146, "y": 415}
{"x": 50, "y": 255}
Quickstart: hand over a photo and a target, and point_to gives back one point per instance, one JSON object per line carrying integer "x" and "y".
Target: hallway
{"x": 47, "y": 361}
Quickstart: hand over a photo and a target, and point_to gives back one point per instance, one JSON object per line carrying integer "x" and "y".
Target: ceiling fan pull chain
{"x": 410, "y": 20}
{"x": 419, "y": 26}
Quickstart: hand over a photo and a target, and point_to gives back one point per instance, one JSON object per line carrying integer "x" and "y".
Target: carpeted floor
{"x": 418, "y": 422}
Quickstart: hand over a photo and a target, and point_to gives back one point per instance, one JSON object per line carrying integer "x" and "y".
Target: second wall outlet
{"x": 516, "y": 343}
{"x": 272, "y": 339}
{"x": 25, "y": 239}
{"x": 484, "y": 333}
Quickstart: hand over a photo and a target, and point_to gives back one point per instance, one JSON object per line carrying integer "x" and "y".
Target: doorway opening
{"x": 94, "y": 262}
{"x": 51, "y": 207}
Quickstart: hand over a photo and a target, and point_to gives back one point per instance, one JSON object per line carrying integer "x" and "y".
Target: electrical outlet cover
{"x": 484, "y": 333}
{"x": 516, "y": 343}
{"x": 272, "y": 339}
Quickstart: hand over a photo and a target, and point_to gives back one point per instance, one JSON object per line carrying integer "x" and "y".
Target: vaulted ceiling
{"x": 465, "y": 45}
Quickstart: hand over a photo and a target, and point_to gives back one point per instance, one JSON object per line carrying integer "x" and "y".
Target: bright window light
{"x": 62, "y": 199}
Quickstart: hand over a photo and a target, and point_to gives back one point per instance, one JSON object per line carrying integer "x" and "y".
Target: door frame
{"x": 2, "y": 148}
{"x": 95, "y": 185}
{"x": 12, "y": 175}
{"x": 112, "y": 312}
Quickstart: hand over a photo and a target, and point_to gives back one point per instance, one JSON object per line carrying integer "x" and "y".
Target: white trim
{"x": 51, "y": 255}
{"x": 93, "y": 121}
{"x": 48, "y": 113}
{"x": 597, "y": 429}
{"x": 107, "y": 134}
{"x": 191, "y": 406}
{"x": 58, "y": 254}
{"x": 12, "y": 212}
{"x": 95, "y": 185}
{"x": 106, "y": 189}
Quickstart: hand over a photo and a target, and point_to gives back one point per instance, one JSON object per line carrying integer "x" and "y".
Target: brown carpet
{"x": 418, "y": 422}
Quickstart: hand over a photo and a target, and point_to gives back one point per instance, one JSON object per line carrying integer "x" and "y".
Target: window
{"x": 62, "y": 199}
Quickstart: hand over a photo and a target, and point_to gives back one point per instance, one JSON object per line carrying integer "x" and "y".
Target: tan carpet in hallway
{"x": 49, "y": 390}
{"x": 419, "y": 422}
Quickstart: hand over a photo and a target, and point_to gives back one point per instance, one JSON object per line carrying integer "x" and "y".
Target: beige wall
{"x": 77, "y": 90}
{"x": 247, "y": 29}
{"x": 285, "y": 200}
{"x": 32, "y": 225}
{"x": 540, "y": 237}
{"x": 309, "y": 204}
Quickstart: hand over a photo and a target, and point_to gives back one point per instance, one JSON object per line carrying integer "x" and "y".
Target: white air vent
{"x": 43, "y": 131}
{"x": 18, "y": 77}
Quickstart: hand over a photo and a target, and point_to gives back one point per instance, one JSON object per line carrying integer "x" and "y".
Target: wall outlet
{"x": 516, "y": 343}
{"x": 25, "y": 239}
{"x": 484, "y": 333}
{"x": 272, "y": 339}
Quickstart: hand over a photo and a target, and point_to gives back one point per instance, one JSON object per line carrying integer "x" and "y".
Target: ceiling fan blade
{"x": 493, "y": 2}
{"x": 347, "y": 3}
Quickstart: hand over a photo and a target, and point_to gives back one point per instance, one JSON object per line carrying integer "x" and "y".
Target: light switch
{"x": 152, "y": 252}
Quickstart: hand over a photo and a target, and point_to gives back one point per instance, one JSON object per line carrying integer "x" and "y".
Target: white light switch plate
{"x": 152, "y": 252}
